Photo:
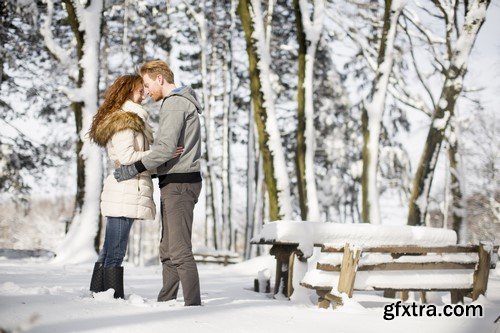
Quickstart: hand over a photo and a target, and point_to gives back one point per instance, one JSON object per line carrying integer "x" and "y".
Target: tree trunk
{"x": 89, "y": 183}
{"x": 210, "y": 181}
{"x": 251, "y": 186}
{"x": 273, "y": 161}
{"x": 300, "y": 157}
{"x": 457, "y": 202}
{"x": 444, "y": 110}
{"x": 77, "y": 108}
{"x": 4, "y": 13}
{"x": 373, "y": 112}
{"x": 226, "y": 153}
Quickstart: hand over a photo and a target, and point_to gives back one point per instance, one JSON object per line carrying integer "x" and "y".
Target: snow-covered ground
{"x": 54, "y": 298}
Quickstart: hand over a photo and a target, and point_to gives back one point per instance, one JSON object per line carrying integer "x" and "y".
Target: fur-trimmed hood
{"x": 129, "y": 117}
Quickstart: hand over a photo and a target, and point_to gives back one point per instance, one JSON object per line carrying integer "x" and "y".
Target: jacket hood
{"x": 189, "y": 93}
{"x": 115, "y": 122}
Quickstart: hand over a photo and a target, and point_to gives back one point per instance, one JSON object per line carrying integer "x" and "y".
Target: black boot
{"x": 113, "y": 278}
{"x": 97, "y": 280}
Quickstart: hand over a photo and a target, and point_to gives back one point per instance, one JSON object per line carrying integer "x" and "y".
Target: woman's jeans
{"x": 115, "y": 241}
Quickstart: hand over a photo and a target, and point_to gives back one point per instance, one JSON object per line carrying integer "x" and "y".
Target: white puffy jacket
{"x": 127, "y": 136}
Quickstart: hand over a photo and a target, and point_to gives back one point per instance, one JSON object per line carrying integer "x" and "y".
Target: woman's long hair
{"x": 115, "y": 96}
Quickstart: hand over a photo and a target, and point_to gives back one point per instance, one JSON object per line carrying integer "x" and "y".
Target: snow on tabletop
{"x": 306, "y": 234}
{"x": 425, "y": 279}
{"x": 379, "y": 258}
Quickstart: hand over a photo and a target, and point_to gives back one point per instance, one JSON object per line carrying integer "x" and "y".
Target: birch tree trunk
{"x": 306, "y": 134}
{"x": 275, "y": 172}
{"x": 85, "y": 21}
{"x": 300, "y": 157}
{"x": 452, "y": 87}
{"x": 373, "y": 112}
{"x": 251, "y": 186}
{"x": 226, "y": 149}
{"x": 457, "y": 201}
{"x": 210, "y": 179}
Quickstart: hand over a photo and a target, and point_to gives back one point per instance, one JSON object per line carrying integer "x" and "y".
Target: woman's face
{"x": 138, "y": 94}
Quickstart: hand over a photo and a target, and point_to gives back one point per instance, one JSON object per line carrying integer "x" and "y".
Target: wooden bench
{"x": 410, "y": 262}
{"x": 216, "y": 258}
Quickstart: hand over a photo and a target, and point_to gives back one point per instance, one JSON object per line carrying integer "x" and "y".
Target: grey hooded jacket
{"x": 179, "y": 126}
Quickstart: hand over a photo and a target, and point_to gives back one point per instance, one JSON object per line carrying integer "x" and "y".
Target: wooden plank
{"x": 275, "y": 242}
{"x": 317, "y": 288}
{"x": 421, "y": 289}
{"x": 335, "y": 300}
{"x": 347, "y": 276}
{"x": 411, "y": 249}
{"x": 481, "y": 273}
{"x": 328, "y": 267}
{"x": 401, "y": 266}
{"x": 272, "y": 242}
{"x": 290, "y": 271}
{"x": 323, "y": 303}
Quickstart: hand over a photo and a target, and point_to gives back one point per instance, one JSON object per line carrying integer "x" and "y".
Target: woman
{"x": 121, "y": 126}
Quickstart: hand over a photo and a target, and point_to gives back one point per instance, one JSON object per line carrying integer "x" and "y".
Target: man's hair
{"x": 157, "y": 67}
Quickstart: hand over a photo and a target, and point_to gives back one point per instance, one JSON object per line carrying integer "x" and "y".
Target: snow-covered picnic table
{"x": 298, "y": 238}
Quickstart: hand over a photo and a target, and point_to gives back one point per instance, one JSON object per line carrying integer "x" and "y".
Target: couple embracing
{"x": 121, "y": 126}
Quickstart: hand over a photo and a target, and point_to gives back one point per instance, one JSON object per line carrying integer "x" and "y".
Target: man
{"x": 179, "y": 178}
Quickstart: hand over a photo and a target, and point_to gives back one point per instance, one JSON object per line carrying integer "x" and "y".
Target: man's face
{"x": 152, "y": 87}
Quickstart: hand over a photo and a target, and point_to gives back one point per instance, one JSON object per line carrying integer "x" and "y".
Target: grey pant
{"x": 176, "y": 255}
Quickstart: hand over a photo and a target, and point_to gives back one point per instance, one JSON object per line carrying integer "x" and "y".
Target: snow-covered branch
{"x": 62, "y": 55}
{"x": 198, "y": 17}
{"x": 368, "y": 52}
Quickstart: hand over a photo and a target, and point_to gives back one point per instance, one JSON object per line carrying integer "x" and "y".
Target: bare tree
{"x": 459, "y": 42}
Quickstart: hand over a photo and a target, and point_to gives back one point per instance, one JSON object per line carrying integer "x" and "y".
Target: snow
{"x": 367, "y": 280}
{"x": 306, "y": 234}
{"x": 38, "y": 296}
{"x": 379, "y": 258}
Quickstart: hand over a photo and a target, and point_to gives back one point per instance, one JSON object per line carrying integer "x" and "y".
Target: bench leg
{"x": 423, "y": 297}
{"x": 284, "y": 275}
{"x": 390, "y": 293}
{"x": 323, "y": 303}
{"x": 279, "y": 276}
{"x": 457, "y": 296}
